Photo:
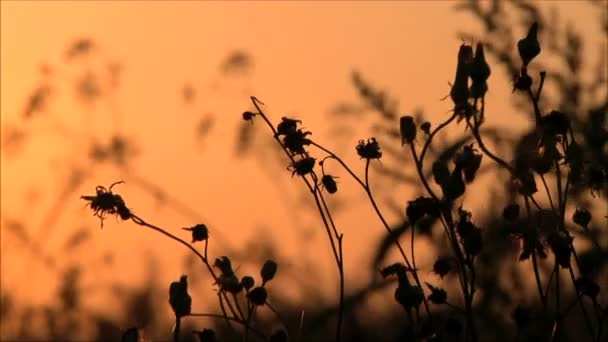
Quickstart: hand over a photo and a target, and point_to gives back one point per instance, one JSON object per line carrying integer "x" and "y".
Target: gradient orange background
{"x": 303, "y": 55}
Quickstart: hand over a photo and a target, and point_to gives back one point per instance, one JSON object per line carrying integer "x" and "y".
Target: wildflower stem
{"x": 339, "y": 160}
{"x": 139, "y": 221}
{"x": 539, "y": 285}
{"x": 428, "y": 141}
{"x": 325, "y": 216}
{"x": 368, "y": 190}
{"x": 176, "y": 329}
{"x": 548, "y": 194}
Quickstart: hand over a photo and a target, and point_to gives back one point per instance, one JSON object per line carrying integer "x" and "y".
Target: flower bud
{"x": 407, "y": 128}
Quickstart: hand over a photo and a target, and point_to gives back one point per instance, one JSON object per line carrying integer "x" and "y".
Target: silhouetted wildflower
{"x": 247, "y": 282}
{"x": 180, "y": 300}
{"x": 227, "y": 280}
{"x": 469, "y": 161}
{"x": 107, "y": 203}
{"x": 258, "y": 296}
{"x": 369, "y": 149}
{"x": 455, "y": 186}
{"x": 526, "y": 184}
{"x": 295, "y": 141}
{"x": 442, "y": 266}
{"x": 410, "y": 297}
{"x": 329, "y": 183}
{"x": 441, "y": 173}
{"x": 529, "y": 47}
{"x": 479, "y": 71}
{"x": 523, "y": 81}
{"x": 426, "y": 127}
{"x": 248, "y": 116}
{"x": 287, "y": 126}
{"x": 407, "y": 127}
{"x": 582, "y": 217}
{"x": 420, "y": 207}
{"x": 469, "y": 233}
{"x": 269, "y": 269}
{"x": 206, "y": 335}
{"x": 303, "y": 166}
{"x": 531, "y": 244}
{"x": 460, "y": 89}
{"x": 438, "y": 295}
{"x": 199, "y": 232}
{"x": 560, "y": 245}
{"x": 555, "y": 123}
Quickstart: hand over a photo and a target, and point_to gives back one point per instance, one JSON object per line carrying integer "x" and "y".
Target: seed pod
{"x": 442, "y": 266}
{"x": 441, "y": 173}
{"x": 179, "y": 299}
{"x": 523, "y": 81}
{"x": 329, "y": 183}
{"x": 529, "y": 47}
{"x": 426, "y": 127}
{"x": 248, "y": 116}
{"x": 268, "y": 271}
{"x": 199, "y": 232}
{"x": 479, "y": 70}
{"x": 582, "y": 217}
{"x": 258, "y": 296}
{"x": 407, "y": 128}
{"x": 410, "y": 297}
{"x": 247, "y": 282}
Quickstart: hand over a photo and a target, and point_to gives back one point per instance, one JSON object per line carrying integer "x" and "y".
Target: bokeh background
{"x": 152, "y": 93}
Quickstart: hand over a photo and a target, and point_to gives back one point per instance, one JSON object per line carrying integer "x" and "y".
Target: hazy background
{"x": 179, "y": 100}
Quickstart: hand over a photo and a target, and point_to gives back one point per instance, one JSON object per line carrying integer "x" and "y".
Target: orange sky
{"x": 303, "y": 55}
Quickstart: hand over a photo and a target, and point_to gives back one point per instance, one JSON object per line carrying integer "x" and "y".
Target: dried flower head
{"x": 107, "y": 203}
{"x": 529, "y": 47}
{"x": 258, "y": 296}
{"x": 369, "y": 149}
{"x": 303, "y": 166}
{"x": 179, "y": 299}
{"x": 199, "y": 232}
{"x": 287, "y": 125}
{"x": 407, "y": 127}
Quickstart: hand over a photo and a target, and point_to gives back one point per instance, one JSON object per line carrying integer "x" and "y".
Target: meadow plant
{"x": 542, "y": 229}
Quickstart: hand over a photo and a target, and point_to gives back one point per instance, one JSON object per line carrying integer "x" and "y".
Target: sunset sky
{"x": 303, "y": 55}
